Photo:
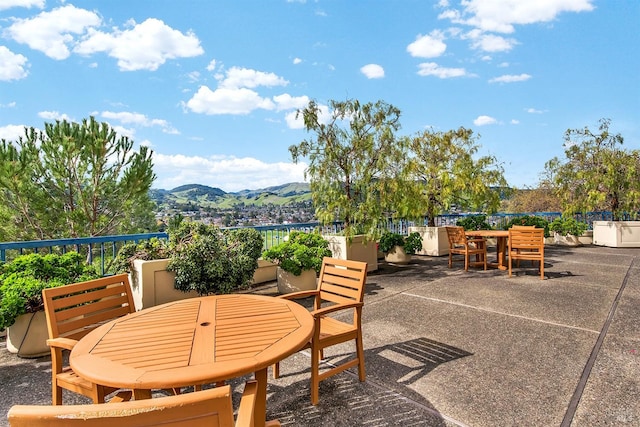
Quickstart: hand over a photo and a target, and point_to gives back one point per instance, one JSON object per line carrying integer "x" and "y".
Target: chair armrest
{"x": 247, "y": 404}
{"x": 300, "y": 294}
{"x": 64, "y": 343}
{"x": 326, "y": 310}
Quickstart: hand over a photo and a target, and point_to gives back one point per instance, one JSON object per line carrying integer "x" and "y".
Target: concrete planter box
{"x": 397, "y": 255}
{"x": 617, "y": 234}
{"x": 434, "y": 240}
{"x": 568, "y": 240}
{"x": 357, "y": 250}
{"x": 266, "y": 272}
{"x": 154, "y": 285}
{"x": 27, "y": 337}
{"x": 289, "y": 282}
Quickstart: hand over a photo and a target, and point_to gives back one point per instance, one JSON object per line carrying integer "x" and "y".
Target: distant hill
{"x": 205, "y": 196}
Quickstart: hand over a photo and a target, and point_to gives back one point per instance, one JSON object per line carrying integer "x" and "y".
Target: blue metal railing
{"x": 106, "y": 247}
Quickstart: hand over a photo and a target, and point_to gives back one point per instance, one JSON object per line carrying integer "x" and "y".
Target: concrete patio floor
{"x": 444, "y": 347}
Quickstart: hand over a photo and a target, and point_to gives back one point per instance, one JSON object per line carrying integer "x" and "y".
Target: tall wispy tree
{"x": 353, "y": 159}
{"x": 74, "y": 180}
{"x": 444, "y": 170}
{"x": 596, "y": 173}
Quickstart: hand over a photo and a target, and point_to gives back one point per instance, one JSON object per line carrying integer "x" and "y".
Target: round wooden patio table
{"x": 501, "y": 244}
{"x": 193, "y": 342}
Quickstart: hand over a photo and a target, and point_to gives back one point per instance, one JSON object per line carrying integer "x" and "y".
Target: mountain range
{"x": 205, "y": 196}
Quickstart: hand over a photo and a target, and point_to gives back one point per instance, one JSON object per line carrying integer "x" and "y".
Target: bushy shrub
{"x": 301, "y": 251}
{"x": 474, "y": 222}
{"x": 203, "y": 257}
{"x": 530, "y": 220}
{"x": 23, "y": 279}
{"x": 568, "y": 225}
{"x": 411, "y": 243}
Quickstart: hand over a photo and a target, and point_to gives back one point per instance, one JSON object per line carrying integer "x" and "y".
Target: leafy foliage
{"x": 567, "y": 226}
{"x": 23, "y": 279}
{"x": 209, "y": 260}
{"x": 444, "y": 170}
{"x": 596, "y": 174}
{"x": 530, "y": 220}
{"x": 474, "y": 222}
{"x": 411, "y": 243}
{"x": 353, "y": 162}
{"x": 203, "y": 257}
{"x": 75, "y": 179}
{"x": 302, "y": 251}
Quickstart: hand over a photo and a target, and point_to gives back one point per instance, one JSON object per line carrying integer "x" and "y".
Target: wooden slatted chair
{"x": 460, "y": 244}
{"x": 526, "y": 244}
{"x": 208, "y": 408}
{"x": 341, "y": 285}
{"x": 72, "y": 312}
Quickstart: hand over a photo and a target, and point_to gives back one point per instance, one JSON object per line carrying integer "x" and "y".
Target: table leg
{"x": 139, "y": 394}
{"x": 501, "y": 247}
{"x": 260, "y": 410}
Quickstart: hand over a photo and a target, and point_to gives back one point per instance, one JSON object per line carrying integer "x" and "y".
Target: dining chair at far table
{"x": 526, "y": 243}
{"x": 74, "y": 310}
{"x": 208, "y": 408}
{"x": 340, "y": 287}
{"x": 460, "y": 244}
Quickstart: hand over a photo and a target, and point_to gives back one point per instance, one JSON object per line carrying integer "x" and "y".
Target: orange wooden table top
{"x": 193, "y": 341}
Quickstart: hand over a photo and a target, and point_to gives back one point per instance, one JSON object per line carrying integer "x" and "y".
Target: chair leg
{"x": 450, "y": 259}
{"x": 315, "y": 376}
{"x": 56, "y": 394}
{"x": 275, "y": 368}
{"x": 510, "y": 261}
{"x": 360, "y": 354}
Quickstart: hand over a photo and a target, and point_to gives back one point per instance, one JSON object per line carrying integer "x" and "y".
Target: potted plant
{"x": 567, "y": 231}
{"x": 398, "y": 248}
{"x": 597, "y": 174}
{"x": 21, "y": 307}
{"x": 299, "y": 260}
{"x": 353, "y": 157}
{"x": 197, "y": 259}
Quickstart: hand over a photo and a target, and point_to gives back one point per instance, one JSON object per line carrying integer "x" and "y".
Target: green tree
{"x": 353, "y": 162}
{"x": 597, "y": 173}
{"x": 76, "y": 179}
{"x": 444, "y": 170}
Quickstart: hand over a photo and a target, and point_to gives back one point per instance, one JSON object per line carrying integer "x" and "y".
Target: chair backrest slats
{"x": 212, "y": 407}
{"x": 342, "y": 281}
{"x": 76, "y": 309}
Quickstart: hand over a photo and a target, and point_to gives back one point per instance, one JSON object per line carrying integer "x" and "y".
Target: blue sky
{"x": 212, "y": 86}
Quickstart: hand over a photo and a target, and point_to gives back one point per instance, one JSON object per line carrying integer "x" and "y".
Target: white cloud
{"x": 297, "y": 61}
{"x": 515, "y": 122}
{"x": 288, "y": 102}
{"x": 138, "y": 119}
{"x": 11, "y": 104}
{"x": 212, "y": 65}
{"x": 8, "y": 4}
{"x": 493, "y": 43}
{"x": 433, "y": 69}
{"x": 52, "y": 32}
{"x": 54, "y": 115}
{"x": 227, "y": 173}
{"x": 372, "y": 71}
{"x": 501, "y": 15}
{"x": 12, "y": 65}
{"x": 145, "y": 46}
{"x": 227, "y": 101}
{"x": 428, "y": 46}
{"x": 484, "y": 120}
{"x": 510, "y": 78}
{"x": 534, "y": 111}
{"x": 237, "y": 77}
{"x": 11, "y": 132}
